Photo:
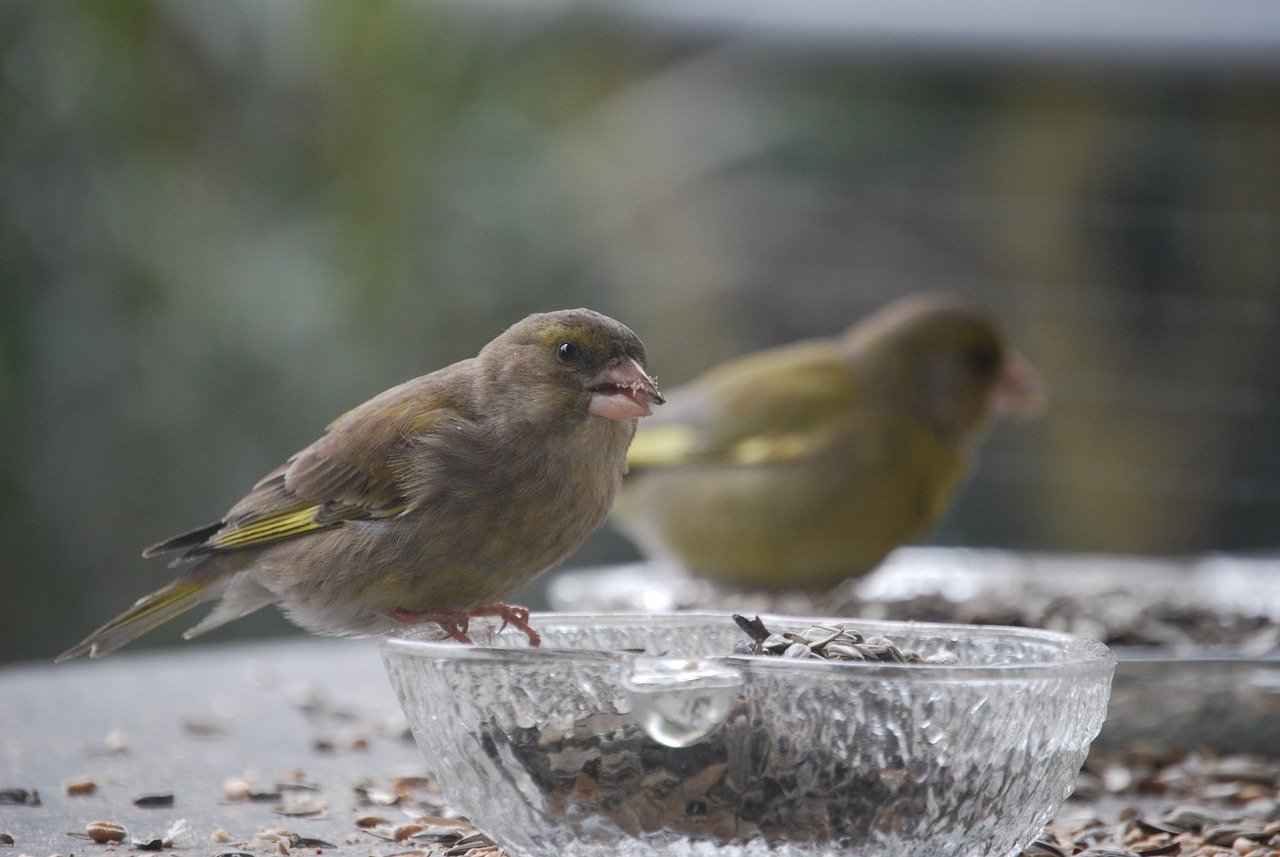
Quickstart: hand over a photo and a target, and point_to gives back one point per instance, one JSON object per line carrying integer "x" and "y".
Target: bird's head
{"x": 950, "y": 359}
{"x": 571, "y": 365}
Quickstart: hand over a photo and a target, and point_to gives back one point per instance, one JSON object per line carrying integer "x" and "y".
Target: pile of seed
{"x": 831, "y": 642}
{"x": 1174, "y": 802}
{"x": 1188, "y": 831}
{"x": 1118, "y": 617}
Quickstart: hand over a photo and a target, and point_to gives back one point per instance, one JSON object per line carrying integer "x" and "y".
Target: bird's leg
{"x": 454, "y": 623}
{"x": 515, "y": 616}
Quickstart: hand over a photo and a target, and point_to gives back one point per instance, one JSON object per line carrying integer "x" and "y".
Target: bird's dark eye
{"x": 568, "y": 352}
{"x": 985, "y": 361}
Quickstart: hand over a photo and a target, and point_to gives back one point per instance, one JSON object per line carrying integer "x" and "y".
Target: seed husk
{"x": 19, "y": 797}
{"x": 300, "y": 808}
{"x": 236, "y": 789}
{"x": 469, "y": 843}
{"x": 797, "y": 650}
{"x": 1227, "y": 834}
{"x": 843, "y": 652}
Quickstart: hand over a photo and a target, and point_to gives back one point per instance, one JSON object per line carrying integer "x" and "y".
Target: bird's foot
{"x": 515, "y": 616}
{"x": 454, "y": 624}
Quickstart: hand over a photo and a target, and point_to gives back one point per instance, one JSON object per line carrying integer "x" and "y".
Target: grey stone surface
{"x": 191, "y": 718}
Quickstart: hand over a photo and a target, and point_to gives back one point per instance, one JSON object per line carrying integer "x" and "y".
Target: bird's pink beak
{"x": 1018, "y": 390}
{"x": 623, "y": 391}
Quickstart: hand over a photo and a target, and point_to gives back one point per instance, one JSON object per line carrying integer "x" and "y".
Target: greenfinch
{"x": 431, "y": 501}
{"x": 798, "y": 467}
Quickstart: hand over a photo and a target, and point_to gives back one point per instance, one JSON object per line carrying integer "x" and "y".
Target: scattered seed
{"x": 113, "y": 744}
{"x": 1044, "y": 847}
{"x": 156, "y": 800}
{"x": 378, "y": 797}
{"x": 203, "y": 728}
{"x": 1235, "y": 822}
{"x": 309, "y": 842}
{"x": 105, "y": 831}
{"x": 410, "y": 784}
{"x": 19, "y": 797}
{"x": 6, "y": 839}
{"x": 78, "y": 786}
{"x": 1189, "y": 817}
{"x": 437, "y": 835}
{"x": 1227, "y": 834}
{"x": 438, "y": 829}
{"x": 1154, "y": 826}
{"x": 470, "y": 843}
{"x": 180, "y": 835}
{"x": 404, "y": 831}
{"x": 221, "y": 836}
{"x": 236, "y": 789}
{"x": 298, "y": 808}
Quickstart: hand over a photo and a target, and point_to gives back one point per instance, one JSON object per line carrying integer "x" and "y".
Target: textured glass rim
{"x": 1083, "y": 655}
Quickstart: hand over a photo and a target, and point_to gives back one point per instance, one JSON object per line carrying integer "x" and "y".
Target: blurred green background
{"x": 223, "y": 223}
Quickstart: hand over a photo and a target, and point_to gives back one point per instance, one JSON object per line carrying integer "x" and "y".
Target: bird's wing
{"x": 768, "y": 408}
{"x": 356, "y": 471}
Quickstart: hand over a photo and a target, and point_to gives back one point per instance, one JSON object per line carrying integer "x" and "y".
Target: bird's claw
{"x": 455, "y": 624}
{"x": 514, "y": 615}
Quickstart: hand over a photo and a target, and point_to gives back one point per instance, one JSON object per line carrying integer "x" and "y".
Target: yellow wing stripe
{"x": 270, "y": 529}
{"x": 141, "y": 609}
{"x": 677, "y": 444}
{"x": 668, "y": 444}
{"x": 777, "y": 450}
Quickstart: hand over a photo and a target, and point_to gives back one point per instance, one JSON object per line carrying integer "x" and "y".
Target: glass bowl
{"x": 642, "y": 734}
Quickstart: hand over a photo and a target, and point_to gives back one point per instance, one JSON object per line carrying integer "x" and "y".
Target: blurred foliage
{"x": 223, "y": 223}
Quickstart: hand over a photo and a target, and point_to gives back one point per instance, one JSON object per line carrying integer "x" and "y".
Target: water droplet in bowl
{"x": 677, "y": 701}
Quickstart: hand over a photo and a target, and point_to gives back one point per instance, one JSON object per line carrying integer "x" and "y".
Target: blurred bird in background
{"x": 800, "y": 466}
{"x": 429, "y": 502}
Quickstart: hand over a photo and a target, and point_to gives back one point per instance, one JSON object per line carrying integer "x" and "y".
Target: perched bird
{"x": 797, "y": 467}
{"x": 431, "y": 501}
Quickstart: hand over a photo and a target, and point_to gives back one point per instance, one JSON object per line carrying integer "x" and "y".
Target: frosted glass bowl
{"x": 642, "y": 734}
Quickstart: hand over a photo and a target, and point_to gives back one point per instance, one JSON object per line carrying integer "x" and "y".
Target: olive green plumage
{"x": 448, "y": 492}
{"x": 797, "y": 467}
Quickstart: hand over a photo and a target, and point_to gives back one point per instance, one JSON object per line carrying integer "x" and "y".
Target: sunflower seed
{"x": 106, "y": 831}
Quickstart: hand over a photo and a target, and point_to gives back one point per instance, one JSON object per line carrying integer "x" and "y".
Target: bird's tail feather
{"x": 201, "y": 584}
{"x": 242, "y": 596}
